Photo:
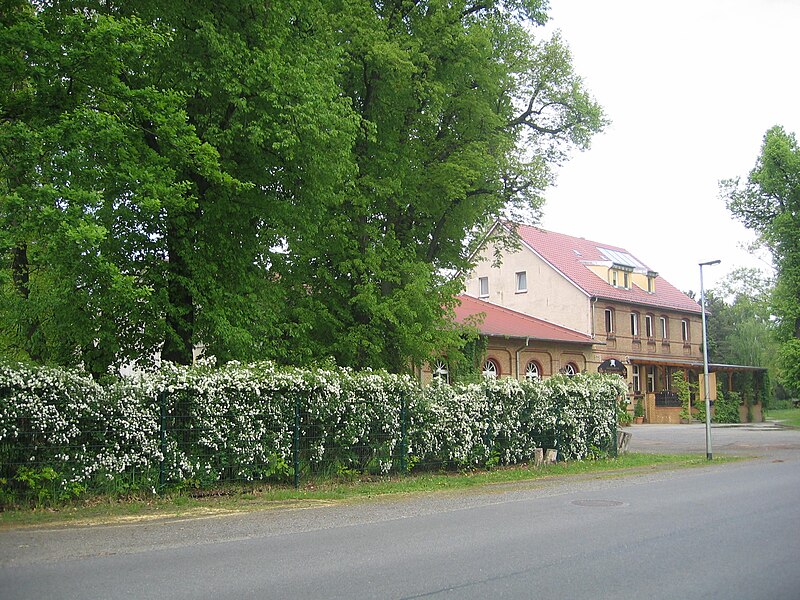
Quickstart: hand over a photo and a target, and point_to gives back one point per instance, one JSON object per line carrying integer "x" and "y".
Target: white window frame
{"x": 521, "y": 281}
{"x": 664, "y": 324}
{"x": 533, "y": 370}
{"x": 440, "y": 371}
{"x": 648, "y": 326}
{"x": 483, "y": 287}
{"x": 609, "y": 321}
{"x": 491, "y": 369}
{"x": 635, "y": 324}
{"x": 570, "y": 369}
{"x": 636, "y": 378}
{"x": 685, "y": 330}
{"x": 651, "y": 379}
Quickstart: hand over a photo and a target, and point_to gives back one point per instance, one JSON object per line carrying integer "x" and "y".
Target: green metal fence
{"x": 187, "y": 452}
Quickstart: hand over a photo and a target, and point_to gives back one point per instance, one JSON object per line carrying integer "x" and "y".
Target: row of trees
{"x": 291, "y": 180}
{"x": 768, "y": 202}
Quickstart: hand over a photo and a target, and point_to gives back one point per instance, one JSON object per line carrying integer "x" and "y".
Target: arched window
{"x": 491, "y": 368}
{"x": 570, "y": 369}
{"x": 533, "y": 370}
{"x": 440, "y": 371}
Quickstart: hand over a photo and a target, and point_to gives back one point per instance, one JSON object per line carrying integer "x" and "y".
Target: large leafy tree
{"x": 152, "y": 157}
{"x": 288, "y": 180}
{"x": 462, "y": 114}
{"x": 769, "y": 203}
{"x": 740, "y": 327}
{"x": 82, "y": 192}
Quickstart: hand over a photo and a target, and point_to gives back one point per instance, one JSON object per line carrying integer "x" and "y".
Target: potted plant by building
{"x": 638, "y": 412}
{"x": 623, "y": 416}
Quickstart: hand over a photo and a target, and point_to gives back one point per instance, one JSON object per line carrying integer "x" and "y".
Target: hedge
{"x": 205, "y": 424}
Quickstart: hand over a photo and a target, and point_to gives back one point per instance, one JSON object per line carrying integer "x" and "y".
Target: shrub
{"x": 60, "y": 430}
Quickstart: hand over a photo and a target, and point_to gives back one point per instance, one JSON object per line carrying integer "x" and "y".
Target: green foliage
{"x": 769, "y": 203}
{"x": 726, "y": 407}
{"x": 684, "y": 389}
{"x": 790, "y": 362}
{"x": 623, "y": 416}
{"x": 284, "y": 180}
{"x": 740, "y": 326}
{"x": 638, "y": 410}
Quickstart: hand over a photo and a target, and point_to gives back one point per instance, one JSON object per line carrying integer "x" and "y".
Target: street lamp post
{"x": 706, "y": 391}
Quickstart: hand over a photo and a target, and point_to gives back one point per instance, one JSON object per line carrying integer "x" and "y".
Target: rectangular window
{"x": 664, "y": 328}
{"x": 635, "y": 324}
{"x": 626, "y": 280}
{"x": 651, "y": 379}
{"x": 522, "y": 281}
{"x": 609, "y": 321}
{"x": 614, "y": 277}
{"x": 685, "y": 330}
{"x": 648, "y": 325}
{"x": 651, "y": 284}
{"x": 483, "y": 284}
{"x": 637, "y": 384}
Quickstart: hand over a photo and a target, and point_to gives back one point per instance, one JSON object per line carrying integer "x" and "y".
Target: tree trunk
{"x": 179, "y": 339}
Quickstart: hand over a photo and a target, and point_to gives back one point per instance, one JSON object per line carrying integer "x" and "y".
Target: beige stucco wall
{"x": 550, "y": 296}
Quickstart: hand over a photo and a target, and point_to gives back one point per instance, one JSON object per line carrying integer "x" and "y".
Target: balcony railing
{"x": 667, "y": 398}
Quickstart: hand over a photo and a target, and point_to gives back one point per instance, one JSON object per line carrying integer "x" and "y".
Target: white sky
{"x": 690, "y": 86}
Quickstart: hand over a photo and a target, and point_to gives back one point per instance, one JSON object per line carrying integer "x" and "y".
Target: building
{"x": 641, "y": 325}
{"x": 519, "y": 345}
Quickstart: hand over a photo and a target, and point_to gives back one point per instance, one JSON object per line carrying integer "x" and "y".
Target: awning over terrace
{"x": 689, "y": 364}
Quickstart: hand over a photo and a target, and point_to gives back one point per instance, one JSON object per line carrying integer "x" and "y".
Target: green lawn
{"x": 789, "y": 416}
{"x": 242, "y": 499}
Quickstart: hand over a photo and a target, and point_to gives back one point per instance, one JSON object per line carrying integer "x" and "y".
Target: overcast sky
{"x": 690, "y": 86}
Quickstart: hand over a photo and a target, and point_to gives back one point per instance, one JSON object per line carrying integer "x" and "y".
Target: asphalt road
{"x": 723, "y": 531}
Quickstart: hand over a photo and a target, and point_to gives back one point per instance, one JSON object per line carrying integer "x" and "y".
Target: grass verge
{"x": 788, "y": 416}
{"x": 238, "y": 498}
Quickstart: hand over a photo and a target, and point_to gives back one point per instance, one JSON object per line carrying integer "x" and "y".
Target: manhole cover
{"x": 598, "y": 503}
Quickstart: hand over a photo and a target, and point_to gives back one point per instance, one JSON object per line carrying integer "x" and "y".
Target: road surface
{"x": 727, "y": 531}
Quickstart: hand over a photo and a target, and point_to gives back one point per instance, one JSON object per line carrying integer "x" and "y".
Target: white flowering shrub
{"x": 238, "y": 422}
{"x": 63, "y": 421}
{"x": 579, "y": 413}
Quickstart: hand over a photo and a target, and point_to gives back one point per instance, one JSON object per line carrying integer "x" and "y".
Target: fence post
{"x": 614, "y": 431}
{"x": 296, "y": 441}
{"x": 403, "y": 440}
{"x": 162, "y": 432}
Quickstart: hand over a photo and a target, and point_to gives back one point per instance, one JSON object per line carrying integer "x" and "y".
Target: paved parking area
{"x": 770, "y": 439}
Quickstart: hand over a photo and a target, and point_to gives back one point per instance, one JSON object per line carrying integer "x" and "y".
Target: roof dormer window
{"x": 651, "y": 282}
{"x": 620, "y": 276}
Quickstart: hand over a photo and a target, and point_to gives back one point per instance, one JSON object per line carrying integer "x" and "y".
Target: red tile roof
{"x": 569, "y": 254}
{"x": 504, "y": 322}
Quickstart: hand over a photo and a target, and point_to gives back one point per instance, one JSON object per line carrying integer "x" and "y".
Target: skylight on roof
{"x": 622, "y": 258}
